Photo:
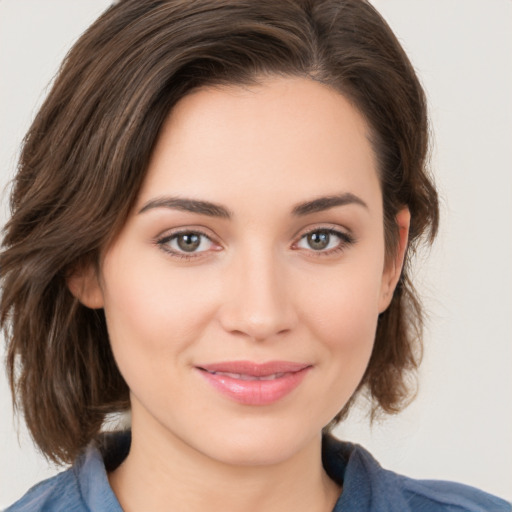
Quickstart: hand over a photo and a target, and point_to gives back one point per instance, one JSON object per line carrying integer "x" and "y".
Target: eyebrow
{"x": 216, "y": 210}
{"x": 188, "y": 205}
{"x": 325, "y": 203}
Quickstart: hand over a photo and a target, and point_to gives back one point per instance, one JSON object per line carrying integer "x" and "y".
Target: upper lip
{"x": 254, "y": 369}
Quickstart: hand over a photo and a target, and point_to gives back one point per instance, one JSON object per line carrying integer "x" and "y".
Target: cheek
{"x": 344, "y": 318}
{"x": 347, "y": 330}
{"x": 345, "y": 305}
{"x": 348, "y": 342}
{"x": 151, "y": 312}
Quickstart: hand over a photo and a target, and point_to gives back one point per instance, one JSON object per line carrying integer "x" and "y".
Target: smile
{"x": 242, "y": 376}
{"x": 250, "y": 383}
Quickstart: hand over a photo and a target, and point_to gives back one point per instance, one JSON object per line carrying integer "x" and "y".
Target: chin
{"x": 262, "y": 444}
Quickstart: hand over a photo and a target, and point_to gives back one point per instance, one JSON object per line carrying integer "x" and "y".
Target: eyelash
{"x": 346, "y": 240}
{"x": 166, "y": 239}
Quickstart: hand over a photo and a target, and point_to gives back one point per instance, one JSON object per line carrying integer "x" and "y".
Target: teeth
{"x": 241, "y": 376}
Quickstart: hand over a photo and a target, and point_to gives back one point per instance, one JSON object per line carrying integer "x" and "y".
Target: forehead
{"x": 289, "y": 135}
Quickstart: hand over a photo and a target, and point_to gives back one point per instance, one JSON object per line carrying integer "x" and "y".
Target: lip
{"x": 251, "y": 383}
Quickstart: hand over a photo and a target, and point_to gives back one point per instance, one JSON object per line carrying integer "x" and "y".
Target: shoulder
{"x": 367, "y": 486}
{"x": 58, "y": 494}
{"x": 439, "y": 495}
{"x": 83, "y": 487}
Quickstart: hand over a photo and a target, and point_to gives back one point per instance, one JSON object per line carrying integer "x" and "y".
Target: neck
{"x": 162, "y": 473}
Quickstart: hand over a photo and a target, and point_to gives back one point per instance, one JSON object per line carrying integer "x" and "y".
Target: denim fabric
{"x": 366, "y": 486}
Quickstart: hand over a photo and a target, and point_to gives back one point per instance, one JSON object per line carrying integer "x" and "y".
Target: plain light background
{"x": 460, "y": 426}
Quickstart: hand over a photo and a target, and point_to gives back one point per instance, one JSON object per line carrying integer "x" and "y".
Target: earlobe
{"x": 393, "y": 269}
{"x": 83, "y": 283}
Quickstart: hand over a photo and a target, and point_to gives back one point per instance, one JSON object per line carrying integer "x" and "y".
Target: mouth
{"x": 252, "y": 383}
{"x": 243, "y": 376}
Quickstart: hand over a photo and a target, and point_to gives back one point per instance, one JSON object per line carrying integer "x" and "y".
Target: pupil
{"x": 318, "y": 240}
{"x": 189, "y": 242}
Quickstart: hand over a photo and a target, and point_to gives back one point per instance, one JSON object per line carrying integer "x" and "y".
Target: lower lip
{"x": 256, "y": 392}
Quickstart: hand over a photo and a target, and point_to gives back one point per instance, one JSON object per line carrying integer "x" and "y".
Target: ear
{"x": 393, "y": 268}
{"x": 84, "y": 284}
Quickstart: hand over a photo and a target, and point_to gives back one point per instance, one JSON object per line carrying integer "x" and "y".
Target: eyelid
{"x": 346, "y": 237}
{"x": 162, "y": 240}
{"x": 327, "y": 226}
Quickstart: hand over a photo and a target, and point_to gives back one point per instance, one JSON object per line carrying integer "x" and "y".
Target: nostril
{"x": 239, "y": 323}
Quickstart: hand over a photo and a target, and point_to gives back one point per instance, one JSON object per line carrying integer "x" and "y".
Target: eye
{"x": 186, "y": 243}
{"x": 324, "y": 241}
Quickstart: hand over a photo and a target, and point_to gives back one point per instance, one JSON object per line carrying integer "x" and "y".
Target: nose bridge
{"x": 258, "y": 300}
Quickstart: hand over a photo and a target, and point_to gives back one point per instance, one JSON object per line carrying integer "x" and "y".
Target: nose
{"x": 258, "y": 303}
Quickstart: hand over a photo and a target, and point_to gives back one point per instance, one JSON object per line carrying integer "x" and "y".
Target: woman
{"x": 211, "y": 227}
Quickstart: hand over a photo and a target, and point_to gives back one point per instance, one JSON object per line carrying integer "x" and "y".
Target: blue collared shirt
{"x": 367, "y": 487}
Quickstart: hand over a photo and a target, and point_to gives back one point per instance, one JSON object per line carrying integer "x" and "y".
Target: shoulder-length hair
{"x": 87, "y": 151}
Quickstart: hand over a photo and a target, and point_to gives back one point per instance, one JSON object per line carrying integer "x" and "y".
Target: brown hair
{"x": 85, "y": 157}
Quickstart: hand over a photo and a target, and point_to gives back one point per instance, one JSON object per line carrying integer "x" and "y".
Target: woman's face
{"x": 242, "y": 294}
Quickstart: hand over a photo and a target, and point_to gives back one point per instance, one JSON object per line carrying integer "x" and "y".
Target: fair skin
{"x": 264, "y": 275}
